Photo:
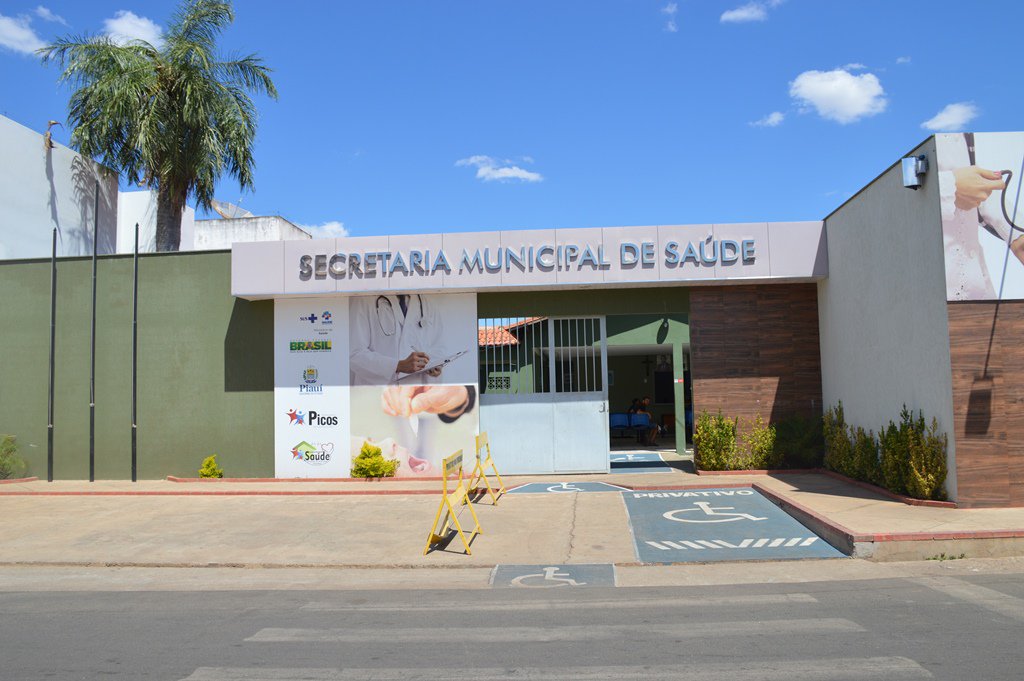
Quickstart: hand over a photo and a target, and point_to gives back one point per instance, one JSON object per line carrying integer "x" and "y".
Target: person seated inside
{"x": 634, "y": 407}
{"x": 653, "y": 430}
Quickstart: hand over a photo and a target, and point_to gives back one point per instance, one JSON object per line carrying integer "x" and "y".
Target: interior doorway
{"x": 648, "y": 360}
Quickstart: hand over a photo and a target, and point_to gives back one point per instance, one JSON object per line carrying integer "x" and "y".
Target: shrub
{"x": 759, "y": 446}
{"x": 210, "y": 468}
{"x": 838, "y": 448}
{"x": 927, "y": 461}
{"x": 864, "y": 463}
{"x": 895, "y": 445}
{"x": 11, "y": 464}
{"x": 714, "y": 442}
{"x": 799, "y": 442}
{"x": 370, "y": 463}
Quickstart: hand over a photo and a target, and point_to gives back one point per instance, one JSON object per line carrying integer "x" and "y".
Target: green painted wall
{"x": 205, "y": 382}
{"x": 583, "y": 302}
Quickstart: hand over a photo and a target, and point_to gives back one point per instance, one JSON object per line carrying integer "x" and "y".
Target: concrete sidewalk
{"x": 385, "y": 524}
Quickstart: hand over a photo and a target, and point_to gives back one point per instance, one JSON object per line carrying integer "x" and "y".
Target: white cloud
{"x": 854, "y": 66}
{"x": 952, "y": 118}
{"x": 45, "y": 14}
{"x": 752, "y": 11}
{"x": 839, "y": 95}
{"x": 670, "y": 10}
{"x": 490, "y": 169}
{"x": 16, "y": 34}
{"x": 772, "y": 120}
{"x": 125, "y": 26}
{"x": 326, "y": 230}
{"x": 902, "y": 60}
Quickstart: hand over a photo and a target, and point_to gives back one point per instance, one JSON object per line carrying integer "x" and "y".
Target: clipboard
{"x": 434, "y": 365}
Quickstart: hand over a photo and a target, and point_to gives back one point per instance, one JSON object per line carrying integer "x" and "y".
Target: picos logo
{"x": 309, "y": 346}
{"x": 314, "y": 456}
{"x": 318, "y": 419}
{"x": 296, "y": 418}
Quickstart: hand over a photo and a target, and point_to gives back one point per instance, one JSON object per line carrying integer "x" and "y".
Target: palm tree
{"x": 172, "y": 116}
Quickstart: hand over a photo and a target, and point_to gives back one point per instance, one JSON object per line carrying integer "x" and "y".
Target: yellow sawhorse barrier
{"x": 483, "y": 462}
{"x": 449, "y": 501}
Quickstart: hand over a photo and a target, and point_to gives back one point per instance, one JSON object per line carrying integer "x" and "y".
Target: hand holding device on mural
{"x": 416, "y": 361}
{"x": 410, "y": 400}
{"x": 974, "y": 185}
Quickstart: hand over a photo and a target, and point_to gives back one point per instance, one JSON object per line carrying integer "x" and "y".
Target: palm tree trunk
{"x": 168, "y": 220}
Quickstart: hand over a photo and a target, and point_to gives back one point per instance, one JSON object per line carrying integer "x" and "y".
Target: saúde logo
{"x": 309, "y": 346}
{"x": 313, "y": 455}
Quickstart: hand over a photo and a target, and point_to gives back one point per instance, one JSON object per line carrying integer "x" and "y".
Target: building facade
{"x": 288, "y": 358}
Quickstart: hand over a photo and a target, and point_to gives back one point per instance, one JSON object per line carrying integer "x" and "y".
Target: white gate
{"x": 544, "y": 393}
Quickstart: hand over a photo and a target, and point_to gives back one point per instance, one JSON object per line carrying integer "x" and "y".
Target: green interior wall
{"x": 583, "y": 302}
{"x": 205, "y": 367}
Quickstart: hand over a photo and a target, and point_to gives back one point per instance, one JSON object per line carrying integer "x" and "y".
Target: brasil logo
{"x": 309, "y": 346}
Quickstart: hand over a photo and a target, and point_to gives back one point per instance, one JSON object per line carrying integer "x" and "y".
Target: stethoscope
{"x": 1007, "y": 175}
{"x": 391, "y": 314}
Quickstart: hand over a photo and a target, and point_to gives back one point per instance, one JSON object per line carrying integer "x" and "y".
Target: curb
{"x": 881, "y": 491}
{"x": 174, "y": 478}
{"x": 222, "y": 493}
{"x": 14, "y": 481}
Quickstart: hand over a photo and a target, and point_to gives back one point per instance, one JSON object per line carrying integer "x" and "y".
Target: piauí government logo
{"x": 310, "y": 382}
{"x": 315, "y": 456}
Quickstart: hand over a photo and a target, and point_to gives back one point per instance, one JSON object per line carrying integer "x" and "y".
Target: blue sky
{"x": 412, "y": 116}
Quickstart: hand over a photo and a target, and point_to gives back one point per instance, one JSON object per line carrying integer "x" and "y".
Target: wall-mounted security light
{"x": 914, "y": 168}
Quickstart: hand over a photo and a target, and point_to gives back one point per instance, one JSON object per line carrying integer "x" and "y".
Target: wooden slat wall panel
{"x": 988, "y": 405}
{"x": 754, "y": 350}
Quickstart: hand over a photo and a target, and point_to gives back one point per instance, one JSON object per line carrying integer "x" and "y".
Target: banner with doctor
{"x": 412, "y": 368}
{"x": 982, "y": 225}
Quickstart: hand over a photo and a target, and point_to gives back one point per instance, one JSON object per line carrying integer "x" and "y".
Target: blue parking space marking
{"x": 564, "y": 488}
{"x": 701, "y": 525}
{"x": 553, "y": 576}
{"x": 638, "y": 462}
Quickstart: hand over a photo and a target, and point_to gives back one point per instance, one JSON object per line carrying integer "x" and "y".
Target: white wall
{"x": 41, "y": 189}
{"x": 215, "y": 234}
{"x": 140, "y": 207}
{"x": 882, "y": 311}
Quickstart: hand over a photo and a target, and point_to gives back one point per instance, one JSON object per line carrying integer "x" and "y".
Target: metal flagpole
{"x": 135, "y": 349}
{"x": 53, "y": 337}
{"x": 92, "y": 352}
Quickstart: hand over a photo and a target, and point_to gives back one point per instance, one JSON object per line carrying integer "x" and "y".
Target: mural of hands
{"x": 410, "y": 400}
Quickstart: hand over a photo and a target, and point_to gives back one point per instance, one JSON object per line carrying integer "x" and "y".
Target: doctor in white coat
{"x": 393, "y": 336}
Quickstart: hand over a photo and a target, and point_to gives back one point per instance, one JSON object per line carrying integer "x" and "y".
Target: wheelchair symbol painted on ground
{"x": 549, "y": 577}
{"x": 565, "y": 487}
{"x": 712, "y": 514}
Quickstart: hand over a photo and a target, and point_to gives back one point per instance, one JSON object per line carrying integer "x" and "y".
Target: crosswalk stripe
{"x": 990, "y": 599}
{"x": 710, "y": 545}
{"x": 759, "y": 543}
{"x": 809, "y": 541}
{"x": 672, "y": 544}
{"x": 841, "y": 669}
{"x": 646, "y": 603}
{"x": 692, "y": 545}
{"x": 543, "y": 634}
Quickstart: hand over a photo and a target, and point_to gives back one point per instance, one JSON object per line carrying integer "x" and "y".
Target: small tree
{"x": 11, "y": 463}
{"x": 370, "y": 463}
{"x": 210, "y": 468}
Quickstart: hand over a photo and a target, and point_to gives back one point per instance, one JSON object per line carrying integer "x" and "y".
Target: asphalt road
{"x": 955, "y": 627}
